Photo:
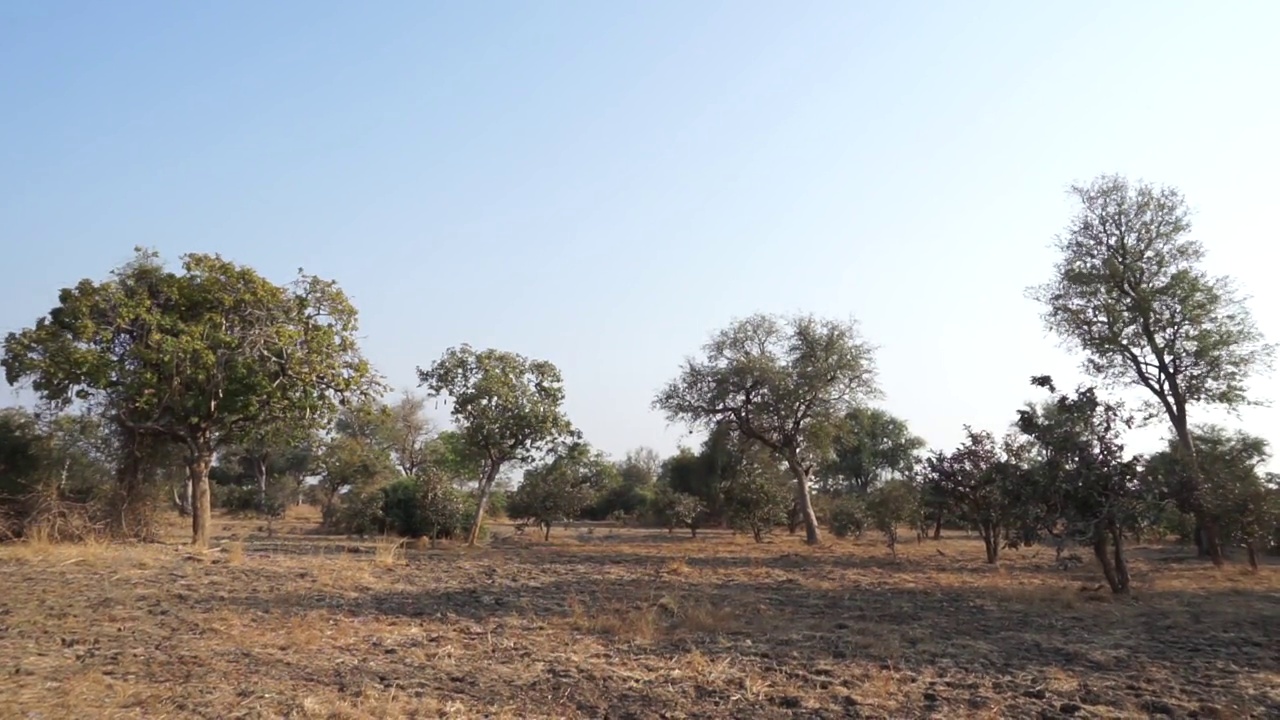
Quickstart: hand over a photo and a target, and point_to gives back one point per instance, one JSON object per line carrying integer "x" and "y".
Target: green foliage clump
{"x": 757, "y": 504}
{"x": 846, "y": 517}
{"x": 421, "y": 506}
{"x": 676, "y": 509}
{"x": 891, "y": 505}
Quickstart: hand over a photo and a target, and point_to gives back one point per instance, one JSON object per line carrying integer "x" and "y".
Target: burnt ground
{"x": 619, "y": 623}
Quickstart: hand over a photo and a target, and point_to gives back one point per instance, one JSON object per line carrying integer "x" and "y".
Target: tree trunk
{"x": 202, "y": 502}
{"x": 546, "y": 532}
{"x": 482, "y": 504}
{"x": 937, "y": 526}
{"x": 182, "y": 503}
{"x": 1121, "y": 566}
{"x": 1209, "y": 542}
{"x": 991, "y": 541}
{"x": 811, "y": 534}
{"x": 1251, "y": 548}
{"x": 260, "y": 473}
{"x": 1101, "y": 551}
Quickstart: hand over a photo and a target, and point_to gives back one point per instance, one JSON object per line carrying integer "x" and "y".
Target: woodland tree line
{"x": 210, "y": 386}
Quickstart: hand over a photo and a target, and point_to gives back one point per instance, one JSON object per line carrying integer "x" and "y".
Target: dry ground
{"x": 609, "y": 623}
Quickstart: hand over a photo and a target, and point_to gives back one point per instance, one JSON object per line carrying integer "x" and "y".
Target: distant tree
{"x": 892, "y": 504}
{"x": 781, "y": 382}
{"x": 978, "y": 480}
{"x": 557, "y": 490}
{"x": 630, "y": 489}
{"x": 1131, "y": 293}
{"x": 757, "y": 495}
{"x": 410, "y": 432}
{"x": 869, "y": 444}
{"x": 348, "y": 466}
{"x": 1085, "y": 474}
{"x": 1235, "y": 491}
{"x": 507, "y": 409}
{"x": 847, "y": 516}
{"x": 195, "y": 356}
{"x": 640, "y": 468}
{"x": 678, "y": 509}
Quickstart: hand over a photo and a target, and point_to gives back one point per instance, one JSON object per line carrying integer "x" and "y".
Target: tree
{"x": 891, "y": 504}
{"x": 978, "y": 480}
{"x": 195, "y": 356}
{"x": 869, "y": 445}
{"x": 1085, "y": 475}
{"x": 558, "y": 489}
{"x": 679, "y": 509}
{"x": 348, "y": 466}
{"x": 1130, "y": 293}
{"x": 409, "y": 432}
{"x": 782, "y": 382}
{"x": 1235, "y": 492}
{"x": 640, "y": 468}
{"x": 756, "y": 492}
{"x": 507, "y": 409}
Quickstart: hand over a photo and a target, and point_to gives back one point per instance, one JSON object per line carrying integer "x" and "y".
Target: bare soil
{"x": 606, "y": 622}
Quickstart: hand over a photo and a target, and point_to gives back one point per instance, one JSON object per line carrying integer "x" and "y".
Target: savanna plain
{"x": 603, "y": 621}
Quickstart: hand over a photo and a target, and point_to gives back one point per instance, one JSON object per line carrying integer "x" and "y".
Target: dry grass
{"x": 235, "y": 552}
{"x": 634, "y": 623}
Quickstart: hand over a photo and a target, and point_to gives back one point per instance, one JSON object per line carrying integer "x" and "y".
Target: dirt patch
{"x": 623, "y": 624}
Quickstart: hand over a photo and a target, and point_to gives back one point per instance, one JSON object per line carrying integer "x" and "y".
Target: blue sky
{"x": 603, "y": 184}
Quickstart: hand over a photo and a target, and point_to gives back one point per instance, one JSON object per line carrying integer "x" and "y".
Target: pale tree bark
{"x": 812, "y": 535}
{"x": 260, "y": 474}
{"x": 482, "y": 504}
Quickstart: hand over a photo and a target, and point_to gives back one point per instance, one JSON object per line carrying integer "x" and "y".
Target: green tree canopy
{"x": 1130, "y": 292}
{"x": 869, "y": 445}
{"x": 782, "y": 382}
{"x": 506, "y": 409}
{"x": 197, "y": 356}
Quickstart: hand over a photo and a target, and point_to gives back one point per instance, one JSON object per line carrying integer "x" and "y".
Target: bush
{"x": 235, "y": 498}
{"x": 890, "y": 505}
{"x": 358, "y": 514}
{"x": 678, "y": 509}
{"x": 618, "y": 500}
{"x": 758, "y": 504}
{"x": 410, "y": 507}
{"x": 846, "y": 517}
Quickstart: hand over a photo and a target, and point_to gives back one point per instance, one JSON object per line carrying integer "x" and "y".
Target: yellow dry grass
{"x": 631, "y": 623}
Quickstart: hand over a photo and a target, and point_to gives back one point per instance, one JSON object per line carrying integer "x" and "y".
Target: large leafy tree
{"x": 507, "y": 409}
{"x": 1130, "y": 292}
{"x": 197, "y": 356}
{"x": 869, "y": 444}
{"x": 781, "y": 382}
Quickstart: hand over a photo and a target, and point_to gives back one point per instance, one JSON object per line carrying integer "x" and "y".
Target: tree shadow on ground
{"x": 1200, "y": 644}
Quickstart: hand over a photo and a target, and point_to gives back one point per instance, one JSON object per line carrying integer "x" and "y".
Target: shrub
{"x": 357, "y": 514}
{"x": 677, "y": 509}
{"x": 846, "y": 517}
{"x": 890, "y": 505}
{"x": 758, "y": 504}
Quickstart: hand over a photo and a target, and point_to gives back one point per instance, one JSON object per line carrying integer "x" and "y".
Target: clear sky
{"x": 602, "y": 184}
